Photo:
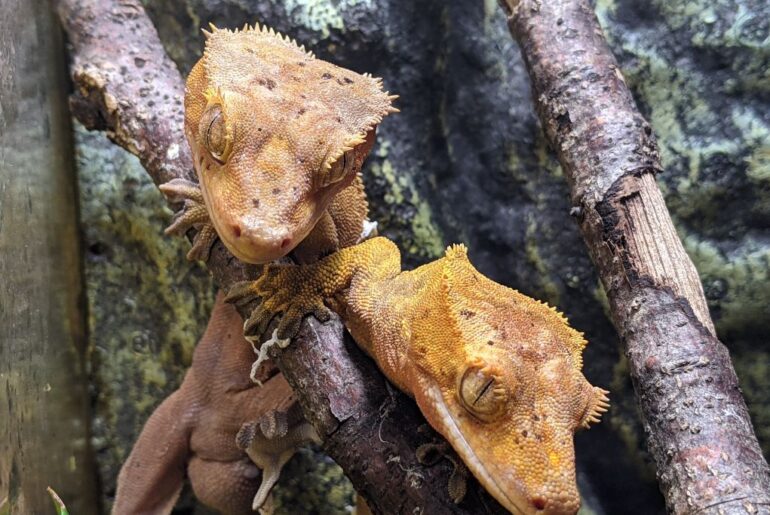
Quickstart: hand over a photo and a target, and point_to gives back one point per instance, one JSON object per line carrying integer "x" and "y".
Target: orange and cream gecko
{"x": 497, "y": 373}
{"x": 278, "y": 139}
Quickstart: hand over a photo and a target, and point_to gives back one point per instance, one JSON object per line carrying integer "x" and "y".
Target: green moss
{"x": 407, "y": 213}
{"x": 313, "y": 483}
{"x": 147, "y": 305}
{"x": 547, "y": 289}
{"x": 428, "y": 240}
{"x": 735, "y": 286}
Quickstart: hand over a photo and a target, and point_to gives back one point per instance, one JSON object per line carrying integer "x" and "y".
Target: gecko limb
{"x": 192, "y": 215}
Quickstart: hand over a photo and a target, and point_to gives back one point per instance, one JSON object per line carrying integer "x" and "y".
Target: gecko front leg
{"x": 294, "y": 291}
{"x": 192, "y": 214}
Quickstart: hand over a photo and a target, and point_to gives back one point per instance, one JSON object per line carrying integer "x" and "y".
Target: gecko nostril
{"x": 538, "y": 503}
{"x": 237, "y": 230}
{"x": 285, "y": 243}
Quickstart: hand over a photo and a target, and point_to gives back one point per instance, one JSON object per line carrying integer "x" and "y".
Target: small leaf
{"x": 57, "y": 502}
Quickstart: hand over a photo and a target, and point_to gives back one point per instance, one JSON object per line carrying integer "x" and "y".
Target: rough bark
{"x": 44, "y": 415}
{"x": 127, "y": 86}
{"x": 698, "y": 428}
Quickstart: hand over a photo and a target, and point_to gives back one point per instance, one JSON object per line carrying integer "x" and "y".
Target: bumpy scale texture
{"x": 497, "y": 373}
{"x": 276, "y": 134}
{"x": 193, "y": 432}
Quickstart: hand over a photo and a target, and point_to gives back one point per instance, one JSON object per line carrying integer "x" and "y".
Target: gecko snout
{"x": 258, "y": 245}
{"x": 564, "y": 504}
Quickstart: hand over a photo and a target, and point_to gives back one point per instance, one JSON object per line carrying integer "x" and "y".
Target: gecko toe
{"x": 321, "y": 313}
{"x": 241, "y": 293}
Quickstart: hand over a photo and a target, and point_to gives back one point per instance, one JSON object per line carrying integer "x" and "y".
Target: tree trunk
{"x": 699, "y": 433}
{"x": 44, "y": 419}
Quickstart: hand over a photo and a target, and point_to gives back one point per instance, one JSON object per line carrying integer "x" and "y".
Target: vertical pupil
{"x": 215, "y": 134}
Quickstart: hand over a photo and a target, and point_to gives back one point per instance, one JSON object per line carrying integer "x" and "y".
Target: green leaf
{"x": 57, "y": 502}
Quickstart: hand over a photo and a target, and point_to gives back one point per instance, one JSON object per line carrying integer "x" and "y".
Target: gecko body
{"x": 277, "y": 137}
{"x": 497, "y": 373}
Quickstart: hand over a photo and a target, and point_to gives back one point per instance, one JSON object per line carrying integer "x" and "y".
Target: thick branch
{"x": 127, "y": 86}
{"x": 697, "y": 424}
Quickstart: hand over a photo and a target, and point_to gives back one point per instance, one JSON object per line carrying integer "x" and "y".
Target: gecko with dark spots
{"x": 495, "y": 372}
{"x": 278, "y": 148}
{"x": 498, "y": 374}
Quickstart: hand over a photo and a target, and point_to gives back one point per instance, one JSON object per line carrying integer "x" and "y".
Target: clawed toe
{"x": 192, "y": 215}
{"x": 242, "y": 293}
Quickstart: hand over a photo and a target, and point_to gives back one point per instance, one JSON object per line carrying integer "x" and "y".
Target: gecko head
{"x": 500, "y": 379}
{"x": 275, "y": 133}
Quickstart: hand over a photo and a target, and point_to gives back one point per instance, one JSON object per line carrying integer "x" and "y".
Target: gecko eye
{"x": 217, "y": 136}
{"x": 481, "y": 392}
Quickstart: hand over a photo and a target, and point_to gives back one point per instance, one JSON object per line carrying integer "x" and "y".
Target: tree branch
{"x": 698, "y": 428}
{"x": 126, "y": 85}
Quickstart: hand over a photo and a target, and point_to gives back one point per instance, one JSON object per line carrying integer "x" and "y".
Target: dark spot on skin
{"x": 535, "y": 417}
{"x": 255, "y": 203}
{"x": 490, "y": 342}
{"x": 524, "y": 433}
{"x": 538, "y": 503}
{"x": 348, "y": 81}
{"x": 466, "y": 314}
{"x": 237, "y": 231}
{"x": 326, "y": 76}
{"x": 268, "y": 83}
{"x": 139, "y": 62}
{"x": 301, "y": 111}
{"x": 276, "y": 191}
{"x": 301, "y": 64}
{"x": 339, "y": 120}
{"x": 295, "y": 78}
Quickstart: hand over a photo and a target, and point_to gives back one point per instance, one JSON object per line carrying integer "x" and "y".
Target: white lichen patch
{"x": 322, "y": 15}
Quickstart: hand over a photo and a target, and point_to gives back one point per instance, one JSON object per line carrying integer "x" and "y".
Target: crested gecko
{"x": 277, "y": 135}
{"x": 291, "y": 112}
{"x": 497, "y": 373}
{"x": 278, "y": 139}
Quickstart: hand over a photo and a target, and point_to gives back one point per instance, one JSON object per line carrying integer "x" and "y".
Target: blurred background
{"x": 100, "y": 312}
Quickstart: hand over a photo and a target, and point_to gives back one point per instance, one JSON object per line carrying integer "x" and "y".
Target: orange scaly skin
{"x": 278, "y": 139}
{"x": 214, "y": 429}
{"x": 495, "y": 372}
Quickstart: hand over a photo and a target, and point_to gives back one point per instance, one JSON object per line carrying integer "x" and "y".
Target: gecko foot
{"x": 284, "y": 291}
{"x": 270, "y": 442}
{"x": 430, "y": 453}
{"x": 192, "y": 214}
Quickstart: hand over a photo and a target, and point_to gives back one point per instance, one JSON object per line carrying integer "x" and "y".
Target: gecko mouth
{"x": 469, "y": 457}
